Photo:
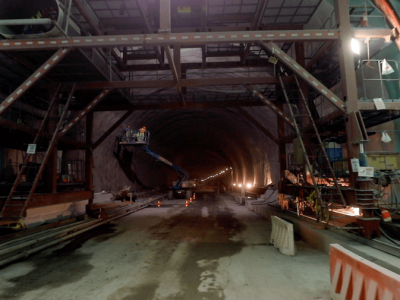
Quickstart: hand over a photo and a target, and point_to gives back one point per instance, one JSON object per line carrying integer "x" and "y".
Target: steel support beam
{"x": 58, "y": 198}
{"x": 386, "y": 7}
{"x": 148, "y": 28}
{"x": 262, "y": 4}
{"x": 265, "y": 64}
{"x": 209, "y": 29}
{"x": 280, "y": 113}
{"x": 258, "y": 125}
{"x": 165, "y": 16}
{"x": 172, "y": 84}
{"x": 362, "y": 105}
{"x": 89, "y": 155}
{"x": 371, "y": 33}
{"x": 306, "y": 76}
{"x": 86, "y": 15}
{"x": 347, "y": 80}
{"x": 162, "y": 39}
{"x": 177, "y": 105}
{"x": 112, "y": 128}
{"x": 176, "y": 67}
{"x": 35, "y": 77}
{"x": 84, "y": 112}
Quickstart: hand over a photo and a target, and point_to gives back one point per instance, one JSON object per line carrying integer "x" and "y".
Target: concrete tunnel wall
{"x": 200, "y": 141}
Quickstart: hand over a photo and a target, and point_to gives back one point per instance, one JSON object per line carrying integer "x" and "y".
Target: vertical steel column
{"x": 89, "y": 155}
{"x": 51, "y": 167}
{"x": 348, "y": 79}
{"x": 165, "y": 16}
{"x": 301, "y": 60}
{"x": 282, "y": 146}
{"x": 35, "y": 77}
{"x": 85, "y": 111}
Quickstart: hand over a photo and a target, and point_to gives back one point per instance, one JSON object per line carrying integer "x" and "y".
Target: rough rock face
{"x": 201, "y": 141}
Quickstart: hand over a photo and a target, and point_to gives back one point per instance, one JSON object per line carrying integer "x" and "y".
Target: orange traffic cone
{"x": 386, "y": 215}
{"x": 194, "y": 196}
{"x": 187, "y": 203}
{"x": 159, "y": 203}
{"x": 191, "y": 199}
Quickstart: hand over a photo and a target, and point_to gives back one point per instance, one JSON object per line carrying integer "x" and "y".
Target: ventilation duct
{"x": 33, "y": 19}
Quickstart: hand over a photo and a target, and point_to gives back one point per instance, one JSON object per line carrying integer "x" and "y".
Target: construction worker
{"x": 128, "y": 133}
{"x": 141, "y": 134}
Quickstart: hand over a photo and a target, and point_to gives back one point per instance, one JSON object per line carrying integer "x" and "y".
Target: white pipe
{"x": 16, "y": 22}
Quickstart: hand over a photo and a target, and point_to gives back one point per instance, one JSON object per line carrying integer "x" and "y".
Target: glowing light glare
{"x": 355, "y": 46}
{"x": 249, "y": 185}
{"x": 231, "y": 168}
{"x": 234, "y": 184}
{"x": 240, "y": 185}
{"x": 227, "y": 169}
{"x": 356, "y": 211}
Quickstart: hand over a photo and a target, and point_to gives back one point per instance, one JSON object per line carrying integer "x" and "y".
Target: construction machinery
{"x": 182, "y": 188}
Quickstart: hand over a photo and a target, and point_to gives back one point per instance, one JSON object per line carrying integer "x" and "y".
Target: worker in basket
{"x": 141, "y": 136}
{"x": 127, "y": 134}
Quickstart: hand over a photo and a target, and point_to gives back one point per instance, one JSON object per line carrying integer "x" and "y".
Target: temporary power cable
{"x": 265, "y": 201}
{"x": 388, "y": 237}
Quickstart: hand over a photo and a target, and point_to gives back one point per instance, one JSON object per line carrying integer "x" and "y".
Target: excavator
{"x": 183, "y": 187}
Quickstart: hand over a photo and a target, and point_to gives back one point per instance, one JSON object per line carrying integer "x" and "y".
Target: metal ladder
{"x": 16, "y": 204}
{"x": 300, "y": 113}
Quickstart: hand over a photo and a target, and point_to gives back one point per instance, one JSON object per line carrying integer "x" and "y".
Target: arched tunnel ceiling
{"x": 202, "y": 141}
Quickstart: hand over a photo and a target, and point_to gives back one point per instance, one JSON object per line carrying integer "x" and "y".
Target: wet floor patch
{"x": 142, "y": 292}
{"x": 62, "y": 266}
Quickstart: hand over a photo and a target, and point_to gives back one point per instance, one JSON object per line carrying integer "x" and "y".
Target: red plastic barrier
{"x": 355, "y": 278}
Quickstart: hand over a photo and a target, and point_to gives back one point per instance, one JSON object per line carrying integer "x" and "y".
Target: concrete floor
{"x": 214, "y": 249}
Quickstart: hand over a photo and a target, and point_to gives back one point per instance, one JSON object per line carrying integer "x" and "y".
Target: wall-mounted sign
{"x": 366, "y": 172}
{"x": 31, "y": 149}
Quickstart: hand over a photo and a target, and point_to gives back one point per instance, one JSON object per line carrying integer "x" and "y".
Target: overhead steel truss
{"x": 162, "y": 39}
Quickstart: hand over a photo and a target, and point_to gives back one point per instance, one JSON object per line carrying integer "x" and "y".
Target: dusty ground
{"x": 214, "y": 249}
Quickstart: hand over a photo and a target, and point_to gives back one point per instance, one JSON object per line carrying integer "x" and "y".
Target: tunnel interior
{"x": 203, "y": 142}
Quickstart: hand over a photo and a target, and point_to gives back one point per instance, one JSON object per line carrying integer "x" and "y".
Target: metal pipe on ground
{"x": 97, "y": 222}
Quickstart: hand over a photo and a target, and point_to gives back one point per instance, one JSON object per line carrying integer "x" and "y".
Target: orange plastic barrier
{"x": 355, "y": 278}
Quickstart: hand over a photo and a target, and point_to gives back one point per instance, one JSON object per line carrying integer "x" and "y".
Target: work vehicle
{"x": 180, "y": 189}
